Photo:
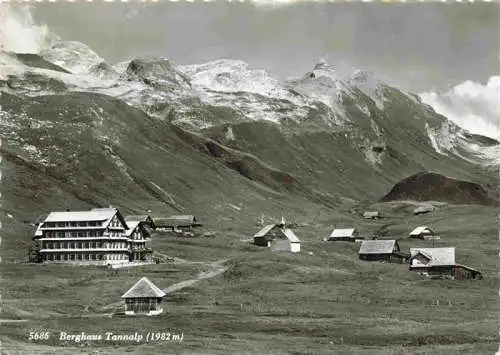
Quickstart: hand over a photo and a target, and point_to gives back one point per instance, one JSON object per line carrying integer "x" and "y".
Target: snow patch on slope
{"x": 133, "y": 92}
{"x": 233, "y": 76}
{"x": 449, "y": 138}
{"x": 441, "y": 139}
{"x": 73, "y": 56}
{"x": 369, "y": 85}
{"x": 489, "y": 155}
{"x": 252, "y": 92}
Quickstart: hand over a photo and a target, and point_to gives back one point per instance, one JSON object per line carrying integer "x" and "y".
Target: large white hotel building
{"x": 98, "y": 236}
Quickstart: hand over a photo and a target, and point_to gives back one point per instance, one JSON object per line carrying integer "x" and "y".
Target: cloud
{"x": 473, "y": 106}
{"x": 18, "y": 31}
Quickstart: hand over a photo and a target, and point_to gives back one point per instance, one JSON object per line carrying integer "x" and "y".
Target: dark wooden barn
{"x": 177, "y": 222}
{"x": 382, "y": 250}
{"x": 440, "y": 263}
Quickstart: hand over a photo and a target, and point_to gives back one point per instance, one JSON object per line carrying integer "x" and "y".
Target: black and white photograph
{"x": 249, "y": 177}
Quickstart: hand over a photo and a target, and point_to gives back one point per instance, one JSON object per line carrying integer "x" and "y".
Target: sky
{"x": 447, "y": 53}
{"x": 419, "y": 47}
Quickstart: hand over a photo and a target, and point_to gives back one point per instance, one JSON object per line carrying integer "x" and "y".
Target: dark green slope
{"x": 394, "y": 139}
{"x": 81, "y": 150}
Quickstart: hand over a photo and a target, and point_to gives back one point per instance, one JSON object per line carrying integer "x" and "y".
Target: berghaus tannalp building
{"x": 98, "y": 236}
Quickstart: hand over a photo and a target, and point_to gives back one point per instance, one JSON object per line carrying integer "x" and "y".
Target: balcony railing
{"x": 102, "y": 237}
{"x": 138, "y": 249}
{"x": 68, "y": 250}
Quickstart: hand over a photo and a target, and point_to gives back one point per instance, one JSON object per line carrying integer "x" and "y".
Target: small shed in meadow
{"x": 345, "y": 234}
{"x": 423, "y": 209}
{"x": 422, "y": 232}
{"x": 372, "y": 215}
{"x": 382, "y": 250}
{"x": 277, "y": 237}
{"x": 143, "y": 298}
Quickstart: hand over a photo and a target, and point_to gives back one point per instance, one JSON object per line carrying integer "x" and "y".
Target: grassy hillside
{"x": 321, "y": 301}
{"x": 81, "y": 150}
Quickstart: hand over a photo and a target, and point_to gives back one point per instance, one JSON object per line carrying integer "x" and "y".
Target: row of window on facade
{"x": 84, "y": 256}
{"x": 83, "y": 245}
{"x": 72, "y": 224}
{"x": 74, "y": 234}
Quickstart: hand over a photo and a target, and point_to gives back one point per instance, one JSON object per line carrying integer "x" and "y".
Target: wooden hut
{"x": 345, "y": 234}
{"x": 177, "y": 223}
{"x": 143, "y": 298}
{"x": 382, "y": 250}
{"x": 423, "y": 210}
{"x": 372, "y": 215}
{"x": 440, "y": 263}
{"x": 423, "y": 232}
{"x": 461, "y": 272}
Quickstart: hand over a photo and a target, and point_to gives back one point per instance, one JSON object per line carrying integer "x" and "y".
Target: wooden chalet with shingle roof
{"x": 278, "y": 238}
{"x": 440, "y": 263}
{"x": 423, "y": 232}
{"x": 345, "y": 234}
{"x": 176, "y": 222}
{"x": 382, "y": 250}
{"x": 143, "y": 298}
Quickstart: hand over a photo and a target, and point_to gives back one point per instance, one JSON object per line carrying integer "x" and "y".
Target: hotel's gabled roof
{"x": 103, "y": 215}
{"x": 82, "y": 216}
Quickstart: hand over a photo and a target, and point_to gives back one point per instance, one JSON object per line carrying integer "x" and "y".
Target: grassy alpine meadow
{"x": 322, "y": 300}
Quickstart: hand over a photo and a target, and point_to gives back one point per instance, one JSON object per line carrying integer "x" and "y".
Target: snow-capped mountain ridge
{"x": 322, "y": 97}
{"x": 74, "y": 56}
